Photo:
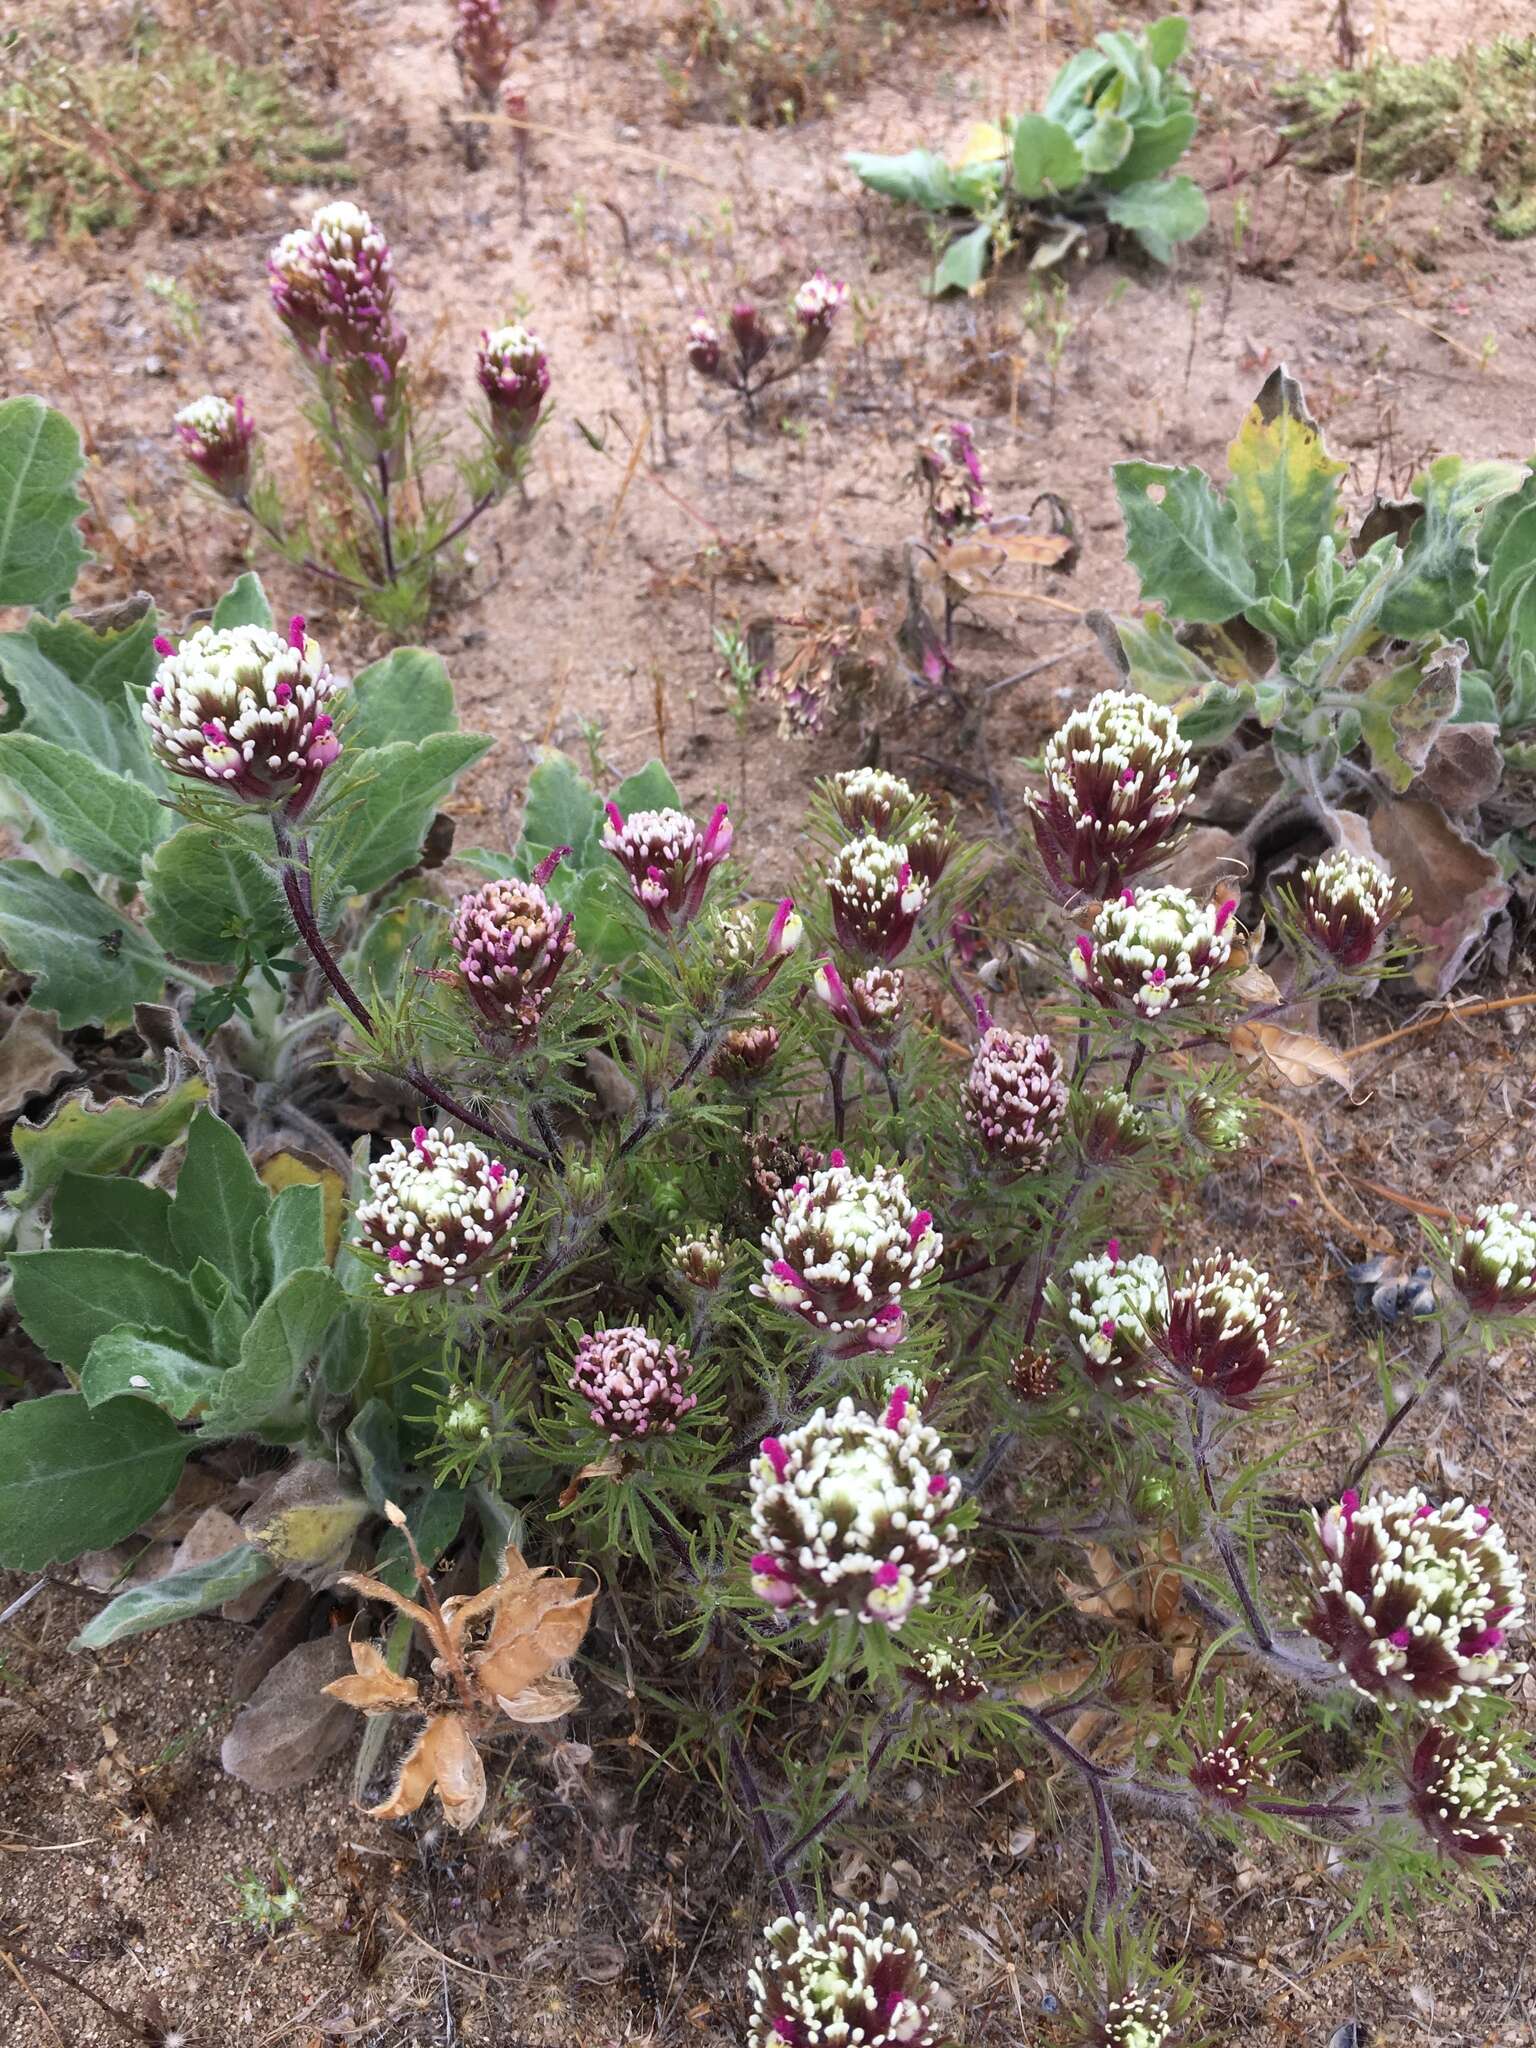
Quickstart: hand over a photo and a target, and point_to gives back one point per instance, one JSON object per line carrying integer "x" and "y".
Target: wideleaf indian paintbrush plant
{"x": 381, "y": 528}
{"x": 1116, "y": 117}
{"x": 752, "y": 1255}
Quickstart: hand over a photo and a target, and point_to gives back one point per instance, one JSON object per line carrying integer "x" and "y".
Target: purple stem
{"x": 1094, "y": 1777}
{"x": 1398, "y": 1416}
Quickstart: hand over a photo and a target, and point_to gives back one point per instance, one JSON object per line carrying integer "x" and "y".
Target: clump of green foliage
{"x": 179, "y": 130}
{"x": 1474, "y": 113}
{"x": 1115, "y": 119}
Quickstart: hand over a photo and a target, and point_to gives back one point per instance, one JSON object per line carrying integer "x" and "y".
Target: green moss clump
{"x": 1474, "y": 113}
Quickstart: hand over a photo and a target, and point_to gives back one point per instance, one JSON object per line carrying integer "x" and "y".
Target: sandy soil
{"x": 593, "y": 1911}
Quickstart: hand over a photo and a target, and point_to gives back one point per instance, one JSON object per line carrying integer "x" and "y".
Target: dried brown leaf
{"x": 1059, "y": 1683}
{"x": 549, "y": 1700}
{"x": 285, "y": 1734}
{"x": 1295, "y": 1057}
{"x": 372, "y": 1686}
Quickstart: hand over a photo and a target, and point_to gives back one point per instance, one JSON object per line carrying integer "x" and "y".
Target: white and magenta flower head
{"x": 634, "y": 1384}
{"x": 1494, "y": 1270}
{"x": 849, "y": 1979}
{"x": 1154, "y": 949}
{"x": 1226, "y": 1328}
{"x": 439, "y": 1213}
{"x": 817, "y": 304}
{"x": 1015, "y": 1095}
{"x": 699, "y": 1264}
{"x": 245, "y": 710}
{"x": 216, "y": 439}
{"x": 668, "y": 860}
{"x": 869, "y": 1008}
{"x": 333, "y": 286}
{"x": 1109, "y": 1127}
{"x": 482, "y": 46}
{"x": 851, "y": 1514}
{"x": 1467, "y": 1793}
{"x": 751, "y": 957}
{"x": 877, "y": 897}
{"x": 510, "y": 941}
{"x": 1346, "y": 903}
{"x": 1232, "y": 1770}
{"x": 1415, "y": 1603}
{"x": 868, "y": 800}
{"x": 845, "y": 1250}
{"x": 512, "y": 369}
{"x": 1114, "y": 1309}
{"x": 949, "y": 468}
{"x": 704, "y": 345}
{"x": 1117, "y": 780}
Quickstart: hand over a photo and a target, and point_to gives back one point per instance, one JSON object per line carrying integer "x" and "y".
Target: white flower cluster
{"x": 1112, "y": 1304}
{"x": 1136, "y": 2020}
{"x": 439, "y": 1212}
{"x": 851, "y": 1513}
{"x": 1156, "y": 948}
{"x": 243, "y": 708}
{"x": 1119, "y": 765}
{"x": 341, "y": 240}
{"x": 877, "y": 896}
{"x": 1496, "y": 1258}
{"x": 211, "y": 417}
{"x": 869, "y": 799}
{"x": 1349, "y": 883}
{"x": 850, "y": 1982}
{"x": 1417, "y": 1602}
{"x": 820, "y": 297}
{"x": 1016, "y": 1097}
{"x": 844, "y": 1248}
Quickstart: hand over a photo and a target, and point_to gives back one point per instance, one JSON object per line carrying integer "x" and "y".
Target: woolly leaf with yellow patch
{"x": 1285, "y": 485}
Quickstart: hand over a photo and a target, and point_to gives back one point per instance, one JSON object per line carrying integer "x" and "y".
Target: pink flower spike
{"x": 718, "y": 835}
{"x": 781, "y": 917}
{"x": 419, "y": 1136}
{"x": 783, "y": 1270}
{"x": 1402, "y": 1637}
{"x": 938, "y": 1485}
{"x": 497, "y": 1171}
{"x": 1128, "y": 898}
{"x": 163, "y": 646}
{"x": 296, "y": 630}
{"x": 896, "y": 1409}
{"x": 886, "y": 1574}
{"x": 836, "y": 1159}
{"x": 777, "y": 1457}
{"x": 921, "y": 1222}
{"x": 1108, "y": 1327}
{"x": 767, "y": 1564}
{"x": 549, "y": 863}
{"x": 1128, "y": 775}
{"x": 983, "y": 1015}
{"x": 615, "y": 816}
{"x": 1112, "y": 1249}
{"x": 1085, "y": 947}
{"x": 282, "y": 693}
{"x": 1158, "y": 976}
{"x": 399, "y": 1254}
{"x": 1225, "y": 912}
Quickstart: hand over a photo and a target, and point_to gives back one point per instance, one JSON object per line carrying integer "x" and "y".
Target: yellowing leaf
{"x": 984, "y": 144}
{"x": 1284, "y": 486}
{"x": 290, "y": 1169}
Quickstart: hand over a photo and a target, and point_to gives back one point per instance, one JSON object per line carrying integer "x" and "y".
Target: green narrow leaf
{"x": 220, "y": 1204}
{"x": 257, "y": 1394}
{"x": 137, "y": 1366}
{"x": 110, "y": 1212}
{"x": 243, "y": 604}
{"x": 87, "y": 961}
{"x": 105, "y": 820}
{"x": 207, "y": 897}
{"x": 41, "y": 464}
{"x": 1184, "y": 546}
{"x": 1285, "y": 486}
{"x": 67, "y": 1299}
{"x": 73, "y": 1478}
{"x": 176, "y": 1597}
{"x": 1045, "y": 158}
{"x": 406, "y": 696}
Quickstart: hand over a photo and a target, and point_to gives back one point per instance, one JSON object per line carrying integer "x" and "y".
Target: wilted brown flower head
{"x": 498, "y": 1655}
